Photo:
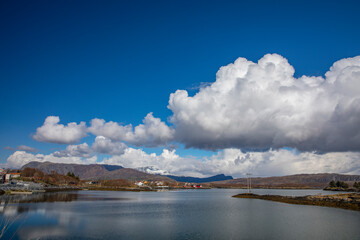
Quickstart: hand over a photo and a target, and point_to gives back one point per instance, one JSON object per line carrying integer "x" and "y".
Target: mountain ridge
{"x": 101, "y": 172}
{"x": 316, "y": 180}
{"x": 96, "y": 171}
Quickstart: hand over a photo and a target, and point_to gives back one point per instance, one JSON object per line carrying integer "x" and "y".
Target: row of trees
{"x": 339, "y": 184}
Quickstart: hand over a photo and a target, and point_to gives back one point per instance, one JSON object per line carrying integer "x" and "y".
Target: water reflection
{"x": 210, "y": 214}
{"x": 16, "y": 209}
{"x": 50, "y": 232}
{"x": 54, "y": 197}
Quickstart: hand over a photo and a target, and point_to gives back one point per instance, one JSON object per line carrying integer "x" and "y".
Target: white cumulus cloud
{"x": 101, "y": 145}
{"x": 262, "y": 105}
{"x": 228, "y": 161}
{"x": 237, "y": 163}
{"x": 53, "y": 132}
{"x": 106, "y": 146}
{"x": 82, "y": 150}
{"x": 153, "y": 132}
{"x": 283, "y": 162}
{"x": 20, "y": 158}
{"x": 168, "y": 160}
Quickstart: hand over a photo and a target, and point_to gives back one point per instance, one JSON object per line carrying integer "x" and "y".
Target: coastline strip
{"x": 349, "y": 201}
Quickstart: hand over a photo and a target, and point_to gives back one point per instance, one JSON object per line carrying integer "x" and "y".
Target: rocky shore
{"x": 345, "y": 200}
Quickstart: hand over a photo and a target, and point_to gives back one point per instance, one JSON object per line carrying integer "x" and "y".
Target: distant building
{"x": 10, "y": 176}
{"x": 140, "y": 184}
{"x": 15, "y": 175}
{"x": 159, "y": 183}
{"x": 92, "y": 182}
{"x": 7, "y": 177}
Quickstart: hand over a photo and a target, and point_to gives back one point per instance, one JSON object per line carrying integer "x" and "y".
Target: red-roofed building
{"x": 10, "y": 176}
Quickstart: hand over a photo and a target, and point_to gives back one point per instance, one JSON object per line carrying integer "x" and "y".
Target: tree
{"x": 38, "y": 175}
{"x": 71, "y": 174}
{"x": 332, "y": 184}
{"x": 28, "y": 172}
{"x": 341, "y": 184}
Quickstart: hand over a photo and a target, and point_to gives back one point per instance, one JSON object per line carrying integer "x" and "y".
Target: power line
{"x": 249, "y": 181}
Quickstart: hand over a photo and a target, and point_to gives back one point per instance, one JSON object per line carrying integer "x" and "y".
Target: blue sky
{"x": 120, "y": 60}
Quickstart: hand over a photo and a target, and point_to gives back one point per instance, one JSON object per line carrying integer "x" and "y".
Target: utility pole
{"x": 249, "y": 181}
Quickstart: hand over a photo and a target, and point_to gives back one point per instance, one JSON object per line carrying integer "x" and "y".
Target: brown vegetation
{"x": 35, "y": 175}
{"x": 116, "y": 183}
{"x": 96, "y": 171}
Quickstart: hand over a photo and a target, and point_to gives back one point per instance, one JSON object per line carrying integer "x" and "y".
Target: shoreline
{"x": 143, "y": 189}
{"x": 350, "y": 201}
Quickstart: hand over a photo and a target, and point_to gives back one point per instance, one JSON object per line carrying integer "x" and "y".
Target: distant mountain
{"x": 132, "y": 175}
{"x": 319, "y": 180}
{"x": 111, "y": 167}
{"x": 109, "y": 172}
{"x": 154, "y": 170}
{"x": 220, "y": 177}
{"x": 96, "y": 171}
{"x": 91, "y": 171}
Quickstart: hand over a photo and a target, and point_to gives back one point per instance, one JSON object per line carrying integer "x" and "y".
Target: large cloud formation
{"x": 250, "y": 106}
{"x": 262, "y": 105}
{"x": 53, "y": 132}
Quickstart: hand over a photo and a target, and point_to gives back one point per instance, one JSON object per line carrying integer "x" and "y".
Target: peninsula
{"x": 349, "y": 201}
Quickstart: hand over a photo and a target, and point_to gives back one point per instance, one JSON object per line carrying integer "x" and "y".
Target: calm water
{"x": 186, "y": 214}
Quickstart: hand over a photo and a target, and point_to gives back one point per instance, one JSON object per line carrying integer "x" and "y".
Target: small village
{"x": 20, "y": 182}
{"x": 162, "y": 185}
{"x": 10, "y": 182}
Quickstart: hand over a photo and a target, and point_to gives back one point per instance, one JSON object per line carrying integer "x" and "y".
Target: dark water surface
{"x": 185, "y": 214}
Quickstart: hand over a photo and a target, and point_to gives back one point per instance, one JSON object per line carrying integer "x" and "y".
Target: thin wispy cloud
{"x": 9, "y": 148}
{"x": 22, "y": 148}
{"x": 26, "y": 148}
